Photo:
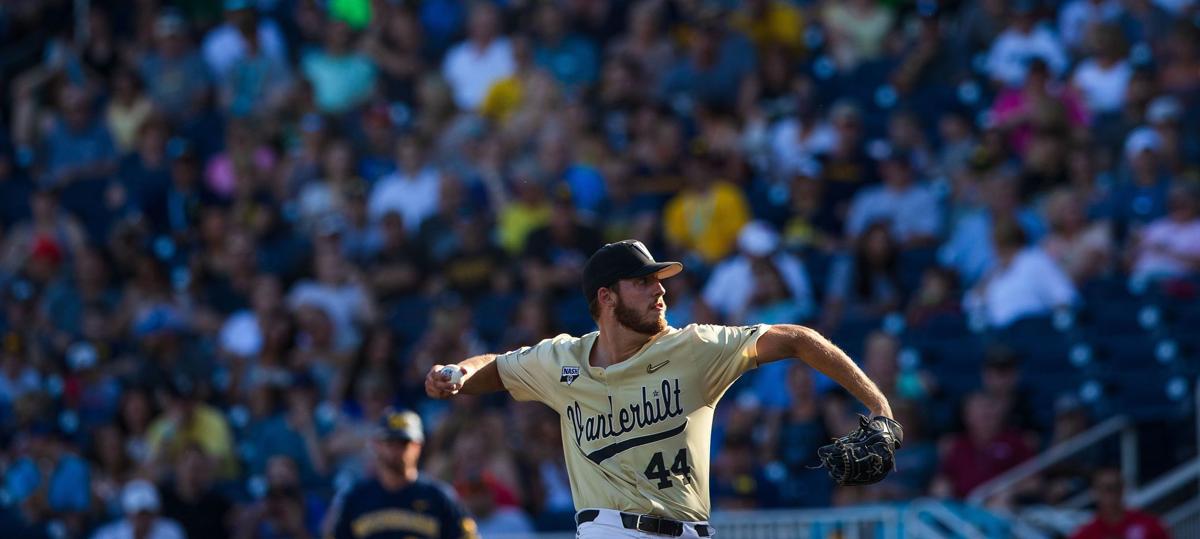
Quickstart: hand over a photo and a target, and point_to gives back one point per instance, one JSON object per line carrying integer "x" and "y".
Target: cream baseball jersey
{"x": 636, "y": 434}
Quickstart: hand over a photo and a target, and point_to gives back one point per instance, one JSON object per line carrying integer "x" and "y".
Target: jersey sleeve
{"x": 733, "y": 350}
{"x": 456, "y": 522}
{"x": 526, "y": 372}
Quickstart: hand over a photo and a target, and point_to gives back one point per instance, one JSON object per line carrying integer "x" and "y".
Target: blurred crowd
{"x": 233, "y": 233}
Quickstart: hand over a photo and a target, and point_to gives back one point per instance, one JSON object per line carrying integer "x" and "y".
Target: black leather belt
{"x": 645, "y": 523}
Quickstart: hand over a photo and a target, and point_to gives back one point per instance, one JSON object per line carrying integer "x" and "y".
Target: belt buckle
{"x": 649, "y": 527}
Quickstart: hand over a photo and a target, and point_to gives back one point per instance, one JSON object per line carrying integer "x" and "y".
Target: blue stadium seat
{"x": 955, "y": 361}
{"x": 1152, "y": 394}
{"x": 1124, "y": 351}
{"x": 1114, "y": 316}
{"x": 1046, "y": 388}
{"x": 1038, "y": 342}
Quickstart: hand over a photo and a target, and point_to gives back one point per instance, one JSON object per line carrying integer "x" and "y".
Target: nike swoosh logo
{"x": 650, "y": 369}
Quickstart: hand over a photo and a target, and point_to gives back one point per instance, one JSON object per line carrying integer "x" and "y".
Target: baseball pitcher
{"x": 636, "y": 399}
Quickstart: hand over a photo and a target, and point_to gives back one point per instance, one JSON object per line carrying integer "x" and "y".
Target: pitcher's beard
{"x": 637, "y": 320}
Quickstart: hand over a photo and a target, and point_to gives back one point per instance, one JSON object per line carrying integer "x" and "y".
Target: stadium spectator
{"x": 412, "y": 190}
{"x": 864, "y": 284}
{"x": 1113, "y": 517}
{"x": 341, "y": 77}
{"x": 191, "y": 500}
{"x": 284, "y": 510}
{"x": 1179, "y": 149}
{"x": 771, "y": 24}
{"x": 47, "y": 478}
{"x": 188, "y": 422}
{"x": 811, "y": 224}
{"x": 1170, "y": 246}
{"x": 175, "y": 75}
{"x": 936, "y": 299}
{"x": 1139, "y": 196}
{"x": 486, "y": 56}
{"x": 1103, "y": 77}
{"x": 757, "y": 278}
{"x": 1084, "y": 250}
{"x": 742, "y": 483}
{"x": 710, "y": 74}
{"x": 1025, "y": 281}
{"x": 571, "y": 58}
{"x": 910, "y": 210}
{"x": 1038, "y": 107}
{"x": 985, "y": 449}
{"x": 1068, "y": 478}
{"x": 479, "y": 497}
{"x": 856, "y": 30}
{"x": 1002, "y": 382}
{"x": 228, "y": 43}
{"x": 1078, "y": 19}
{"x": 140, "y": 503}
{"x": 1023, "y": 40}
{"x": 394, "y": 41}
{"x": 704, "y": 219}
{"x": 796, "y": 139}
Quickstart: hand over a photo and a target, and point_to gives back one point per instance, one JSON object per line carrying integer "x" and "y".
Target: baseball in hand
{"x": 453, "y": 373}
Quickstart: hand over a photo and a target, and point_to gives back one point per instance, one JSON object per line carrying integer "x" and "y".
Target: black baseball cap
{"x": 400, "y": 425}
{"x": 625, "y": 259}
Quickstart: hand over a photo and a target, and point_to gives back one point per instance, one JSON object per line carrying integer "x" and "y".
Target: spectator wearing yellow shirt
{"x": 771, "y": 24}
{"x": 530, "y": 210}
{"x": 706, "y": 216}
{"x": 189, "y": 421}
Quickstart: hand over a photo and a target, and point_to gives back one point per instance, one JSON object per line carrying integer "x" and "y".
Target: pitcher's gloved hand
{"x": 866, "y": 455}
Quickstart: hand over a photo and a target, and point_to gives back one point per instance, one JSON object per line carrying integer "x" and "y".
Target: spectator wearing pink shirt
{"x": 1170, "y": 246}
{"x": 1039, "y": 105}
{"x": 244, "y": 159}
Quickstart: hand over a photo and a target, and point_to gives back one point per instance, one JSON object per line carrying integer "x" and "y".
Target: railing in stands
{"x": 1183, "y": 520}
{"x": 919, "y": 519}
{"x": 1116, "y": 425}
{"x": 876, "y": 521}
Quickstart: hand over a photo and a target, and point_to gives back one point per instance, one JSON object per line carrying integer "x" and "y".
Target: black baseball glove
{"x": 866, "y": 455}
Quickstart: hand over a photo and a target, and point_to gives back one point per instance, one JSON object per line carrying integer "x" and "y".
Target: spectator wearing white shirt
{"x": 732, "y": 284}
{"x": 796, "y": 140}
{"x": 1024, "y": 281}
{"x": 1170, "y": 245}
{"x": 226, "y": 44}
{"x": 140, "y": 502}
{"x": 1103, "y": 78}
{"x": 1022, "y": 41}
{"x": 484, "y": 58}
{"x": 412, "y": 191}
{"x": 340, "y": 293}
{"x": 244, "y": 332}
{"x": 910, "y": 209}
{"x": 1078, "y": 17}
